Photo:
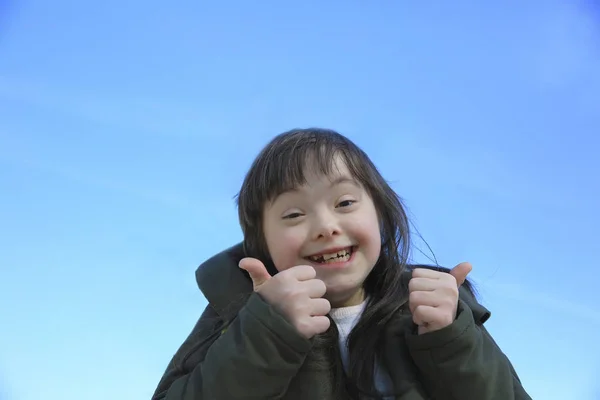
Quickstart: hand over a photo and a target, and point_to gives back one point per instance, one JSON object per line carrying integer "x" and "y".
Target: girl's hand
{"x": 433, "y": 296}
{"x": 295, "y": 293}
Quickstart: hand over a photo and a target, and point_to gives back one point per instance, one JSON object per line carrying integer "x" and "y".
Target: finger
{"x": 302, "y": 272}
{"x": 460, "y": 272}
{"x": 320, "y": 324}
{"x": 257, "y": 271}
{"x": 425, "y": 315}
{"x": 315, "y": 288}
{"x": 426, "y": 273}
{"x": 320, "y": 307}
{"x": 422, "y": 298}
{"x": 423, "y": 284}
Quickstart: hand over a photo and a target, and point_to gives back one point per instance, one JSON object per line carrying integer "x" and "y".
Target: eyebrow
{"x": 337, "y": 181}
{"x": 343, "y": 179}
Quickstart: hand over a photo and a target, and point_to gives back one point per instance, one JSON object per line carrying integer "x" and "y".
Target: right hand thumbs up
{"x": 257, "y": 271}
{"x": 295, "y": 292}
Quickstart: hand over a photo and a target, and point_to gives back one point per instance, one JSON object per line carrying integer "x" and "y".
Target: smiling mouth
{"x": 331, "y": 258}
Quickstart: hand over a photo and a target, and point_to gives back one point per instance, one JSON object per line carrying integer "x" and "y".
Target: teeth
{"x": 340, "y": 256}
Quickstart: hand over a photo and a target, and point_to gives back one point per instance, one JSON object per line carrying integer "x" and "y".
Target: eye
{"x": 292, "y": 215}
{"x": 346, "y": 203}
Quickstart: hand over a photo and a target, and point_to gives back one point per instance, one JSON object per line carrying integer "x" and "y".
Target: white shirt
{"x": 346, "y": 319}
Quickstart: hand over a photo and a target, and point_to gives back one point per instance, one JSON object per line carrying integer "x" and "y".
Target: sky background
{"x": 126, "y": 129}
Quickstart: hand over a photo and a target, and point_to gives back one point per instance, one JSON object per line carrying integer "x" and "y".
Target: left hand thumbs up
{"x": 433, "y": 296}
{"x": 460, "y": 272}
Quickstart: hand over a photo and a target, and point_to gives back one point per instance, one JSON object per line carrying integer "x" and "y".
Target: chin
{"x": 340, "y": 295}
{"x": 346, "y": 299}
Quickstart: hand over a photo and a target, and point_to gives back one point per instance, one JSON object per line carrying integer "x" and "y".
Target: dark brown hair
{"x": 281, "y": 166}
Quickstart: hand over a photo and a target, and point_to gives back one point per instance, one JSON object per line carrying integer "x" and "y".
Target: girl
{"x": 319, "y": 302}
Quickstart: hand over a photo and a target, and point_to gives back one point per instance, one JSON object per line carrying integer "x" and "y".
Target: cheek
{"x": 368, "y": 233}
{"x": 284, "y": 248}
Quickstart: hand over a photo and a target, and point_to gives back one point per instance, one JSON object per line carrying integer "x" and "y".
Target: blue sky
{"x": 126, "y": 129}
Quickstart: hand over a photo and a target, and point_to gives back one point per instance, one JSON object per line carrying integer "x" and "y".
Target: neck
{"x": 352, "y": 299}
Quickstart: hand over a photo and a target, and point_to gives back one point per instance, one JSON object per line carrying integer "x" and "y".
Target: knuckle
{"x": 326, "y": 306}
{"x": 450, "y": 289}
{"x": 322, "y": 286}
{"x": 305, "y": 327}
{"x": 297, "y": 309}
{"x": 291, "y": 293}
{"x": 450, "y": 302}
{"x": 447, "y": 320}
{"x": 326, "y": 325}
{"x": 413, "y": 297}
{"x": 454, "y": 292}
{"x": 301, "y": 326}
{"x": 281, "y": 279}
{"x": 307, "y": 269}
{"x": 283, "y": 275}
{"x": 288, "y": 291}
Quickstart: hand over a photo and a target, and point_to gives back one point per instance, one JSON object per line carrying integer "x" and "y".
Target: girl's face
{"x": 331, "y": 224}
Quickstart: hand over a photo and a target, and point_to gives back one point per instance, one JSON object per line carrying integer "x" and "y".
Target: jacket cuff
{"x": 276, "y": 323}
{"x": 440, "y": 338}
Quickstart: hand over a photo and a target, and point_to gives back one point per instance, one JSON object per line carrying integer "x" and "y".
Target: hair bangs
{"x": 319, "y": 155}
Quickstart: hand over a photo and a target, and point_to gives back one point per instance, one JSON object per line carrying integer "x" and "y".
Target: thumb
{"x": 460, "y": 272}
{"x": 257, "y": 270}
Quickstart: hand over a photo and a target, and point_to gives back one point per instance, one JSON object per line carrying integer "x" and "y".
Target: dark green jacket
{"x": 242, "y": 349}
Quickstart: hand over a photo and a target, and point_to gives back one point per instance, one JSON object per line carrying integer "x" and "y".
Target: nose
{"x": 325, "y": 226}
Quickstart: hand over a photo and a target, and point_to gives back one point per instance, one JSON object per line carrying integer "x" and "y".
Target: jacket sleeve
{"x": 255, "y": 357}
{"x": 462, "y": 361}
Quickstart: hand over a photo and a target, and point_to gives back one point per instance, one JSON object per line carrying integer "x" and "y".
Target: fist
{"x": 433, "y": 296}
{"x": 295, "y": 293}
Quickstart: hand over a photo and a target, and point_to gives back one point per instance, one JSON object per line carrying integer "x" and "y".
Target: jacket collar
{"x": 226, "y": 286}
{"x": 221, "y": 280}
